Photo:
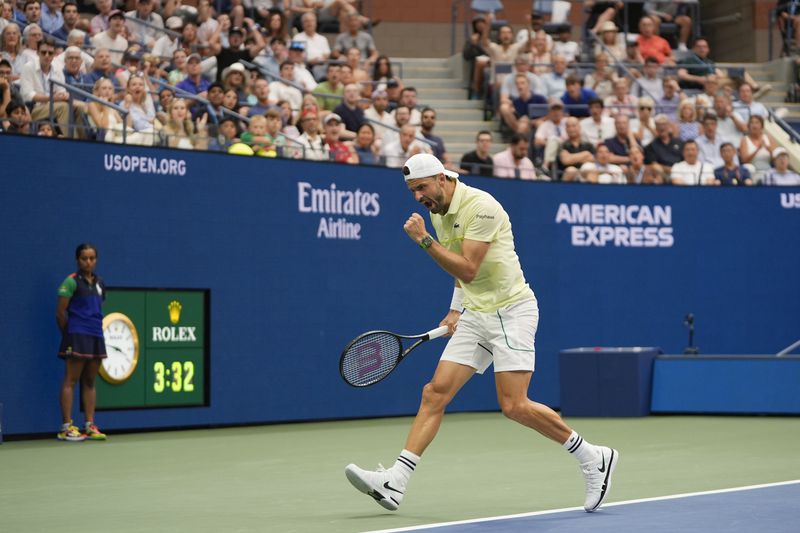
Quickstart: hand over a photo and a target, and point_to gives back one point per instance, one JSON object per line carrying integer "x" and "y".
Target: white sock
{"x": 582, "y": 450}
{"x": 404, "y": 466}
{"x": 65, "y": 426}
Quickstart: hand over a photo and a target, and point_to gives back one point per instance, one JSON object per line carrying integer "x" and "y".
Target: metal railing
{"x": 789, "y": 349}
{"x": 89, "y": 96}
{"x": 397, "y": 130}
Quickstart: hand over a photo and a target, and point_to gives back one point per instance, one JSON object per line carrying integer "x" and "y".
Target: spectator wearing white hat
{"x": 379, "y": 112}
{"x": 613, "y": 41}
{"x": 339, "y": 151}
{"x": 781, "y": 175}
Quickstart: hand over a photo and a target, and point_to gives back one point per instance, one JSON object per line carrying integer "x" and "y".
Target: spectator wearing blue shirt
{"x": 31, "y": 13}
{"x": 513, "y": 109}
{"x": 731, "y": 173}
{"x": 72, "y": 70}
{"x": 69, "y": 20}
{"x": 576, "y": 98}
{"x": 194, "y": 83}
{"x": 103, "y": 68}
{"x": 51, "y": 17}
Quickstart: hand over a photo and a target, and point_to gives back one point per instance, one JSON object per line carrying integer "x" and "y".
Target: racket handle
{"x": 438, "y": 332}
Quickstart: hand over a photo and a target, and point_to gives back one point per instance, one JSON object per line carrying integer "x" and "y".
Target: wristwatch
{"x": 426, "y": 242}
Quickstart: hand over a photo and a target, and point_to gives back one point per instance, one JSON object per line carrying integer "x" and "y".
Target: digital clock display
{"x": 172, "y": 333}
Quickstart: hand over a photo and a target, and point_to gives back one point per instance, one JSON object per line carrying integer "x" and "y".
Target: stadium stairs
{"x": 440, "y": 85}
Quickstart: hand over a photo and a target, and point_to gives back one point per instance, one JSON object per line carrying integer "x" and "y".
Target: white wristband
{"x": 458, "y": 297}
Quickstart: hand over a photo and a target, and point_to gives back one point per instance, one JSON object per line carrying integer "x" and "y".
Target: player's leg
{"x": 512, "y": 395}
{"x": 388, "y": 487}
{"x": 597, "y": 463}
{"x": 89, "y": 394}
{"x": 514, "y": 361}
{"x": 436, "y": 395}
{"x": 464, "y": 355}
{"x": 72, "y": 373}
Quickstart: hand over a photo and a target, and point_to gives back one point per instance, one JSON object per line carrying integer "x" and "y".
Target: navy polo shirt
{"x": 578, "y": 107}
{"x": 664, "y": 153}
{"x": 351, "y": 118}
{"x": 521, "y": 106}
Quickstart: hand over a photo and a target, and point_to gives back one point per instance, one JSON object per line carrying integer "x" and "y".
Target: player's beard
{"x": 434, "y": 203}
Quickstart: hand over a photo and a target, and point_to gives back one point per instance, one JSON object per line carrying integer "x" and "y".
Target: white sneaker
{"x": 598, "y": 474}
{"x": 378, "y": 484}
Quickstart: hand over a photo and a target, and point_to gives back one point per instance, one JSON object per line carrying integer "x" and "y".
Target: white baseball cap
{"x": 425, "y": 166}
{"x": 780, "y": 150}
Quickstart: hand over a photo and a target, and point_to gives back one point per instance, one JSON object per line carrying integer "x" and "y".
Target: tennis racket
{"x": 373, "y": 355}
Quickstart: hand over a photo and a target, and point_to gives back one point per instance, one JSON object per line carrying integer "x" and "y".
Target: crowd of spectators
{"x": 259, "y": 78}
{"x": 619, "y": 106}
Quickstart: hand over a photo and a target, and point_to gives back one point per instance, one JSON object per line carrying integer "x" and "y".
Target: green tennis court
{"x": 286, "y": 478}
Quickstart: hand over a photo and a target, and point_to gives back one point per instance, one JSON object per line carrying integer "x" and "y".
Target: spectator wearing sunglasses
{"x": 35, "y": 86}
{"x": 644, "y": 126}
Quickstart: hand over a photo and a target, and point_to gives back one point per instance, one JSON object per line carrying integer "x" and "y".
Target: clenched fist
{"x": 415, "y": 227}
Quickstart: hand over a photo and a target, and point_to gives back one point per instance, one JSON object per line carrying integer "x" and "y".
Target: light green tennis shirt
{"x": 475, "y": 215}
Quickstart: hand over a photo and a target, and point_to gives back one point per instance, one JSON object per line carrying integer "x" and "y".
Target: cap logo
{"x": 406, "y": 170}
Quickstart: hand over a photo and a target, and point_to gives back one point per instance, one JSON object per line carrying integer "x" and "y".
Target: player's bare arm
{"x": 463, "y": 267}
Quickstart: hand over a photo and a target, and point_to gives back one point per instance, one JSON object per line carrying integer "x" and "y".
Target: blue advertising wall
{"x": 611, "y": 266}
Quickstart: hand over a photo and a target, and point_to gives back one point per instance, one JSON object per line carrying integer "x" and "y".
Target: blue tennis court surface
{"x": 773, "y": 507}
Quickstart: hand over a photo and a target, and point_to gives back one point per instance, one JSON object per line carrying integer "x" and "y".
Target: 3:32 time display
{"x": 175, "y": 376}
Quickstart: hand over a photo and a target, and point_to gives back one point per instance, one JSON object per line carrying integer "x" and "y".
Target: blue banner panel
{"x": 300, "y": 257}
{"x": 726, "y": 384}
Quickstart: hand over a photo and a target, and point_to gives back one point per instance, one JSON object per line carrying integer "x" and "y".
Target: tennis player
{"x": 498, "y": 325}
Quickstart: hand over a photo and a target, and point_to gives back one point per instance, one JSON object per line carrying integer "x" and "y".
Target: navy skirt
{"x": 82, "y": 346}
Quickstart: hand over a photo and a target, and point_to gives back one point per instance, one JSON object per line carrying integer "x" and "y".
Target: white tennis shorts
{"x": 505, "y": 337}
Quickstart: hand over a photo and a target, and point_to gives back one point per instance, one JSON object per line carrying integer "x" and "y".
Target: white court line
{"x": 565, "y": 509}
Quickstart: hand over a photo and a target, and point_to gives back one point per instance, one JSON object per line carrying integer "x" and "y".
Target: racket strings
{"x": 370, "y": 358}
